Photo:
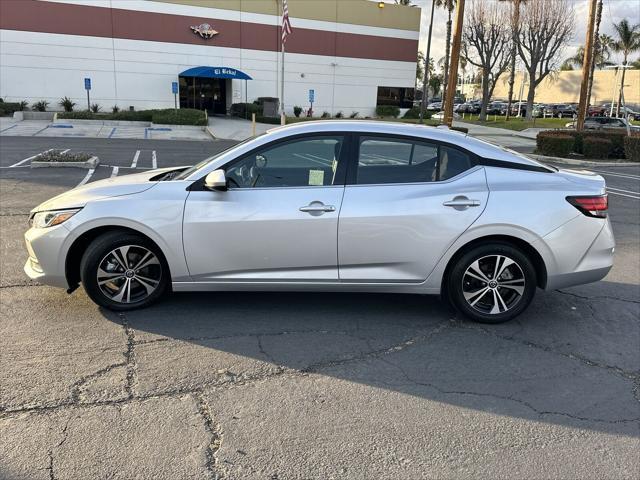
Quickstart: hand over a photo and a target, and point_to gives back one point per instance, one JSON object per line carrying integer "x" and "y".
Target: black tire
{"x": 99, "y": 251}
{"x": 461, "y": 280}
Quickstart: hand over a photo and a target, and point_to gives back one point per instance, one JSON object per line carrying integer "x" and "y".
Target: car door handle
{"x": 461, "y": 203}
{"x": 317, "y": 208}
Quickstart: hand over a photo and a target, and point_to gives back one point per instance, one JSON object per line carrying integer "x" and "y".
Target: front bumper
{"x": 46, "y": 262}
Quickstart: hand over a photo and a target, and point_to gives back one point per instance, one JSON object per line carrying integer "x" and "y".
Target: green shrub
{"x": 339, "y": 114}
{"x": 325, "y": 115}
{"x": 596, "y": 147}
{"x": 632, "y": 147}
{"x": 244, "y": 110}
{"x": 132, "y": 116}
{"x": 40, "y": 106}
{"x": 297, "y": 111}
{"x": 183, "y": 116}
{"x": 9, "y": 107}
{"x": 82, "y": 115}
{"x": 95, "y": 108}
{"x": 354, "y": 114}
{"x": 387, "y": 111}
{"x": 414, "y": 112}
{"x": 67, "y": 104}
{"x": 555, "y": 143}
{"x": 617, "y": 137}
{"x": 271, "y": 120}
{"x": 115, "y": 109}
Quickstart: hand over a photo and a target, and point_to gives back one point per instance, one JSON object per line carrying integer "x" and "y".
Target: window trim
{"x": 341, "y": 171}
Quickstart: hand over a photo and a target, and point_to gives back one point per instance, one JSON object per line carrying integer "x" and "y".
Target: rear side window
{"x": 388, "y": 160}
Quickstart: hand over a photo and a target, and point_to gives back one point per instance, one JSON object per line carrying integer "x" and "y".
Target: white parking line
{"x": 65, "y": 151}
{"x": 154, "y": 160}
{"x": 624, "y": 191}
{"x": 87, "y": 177}
{"x": 611, "y": 174}
{"x": 28, "y": 159}
{"x": 114, "y": 172}
{"x": 135, "y": 159}
{"x": 624, "y": 195}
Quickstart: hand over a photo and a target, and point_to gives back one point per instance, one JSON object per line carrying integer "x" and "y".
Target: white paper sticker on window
{"x": 316, "y": 177}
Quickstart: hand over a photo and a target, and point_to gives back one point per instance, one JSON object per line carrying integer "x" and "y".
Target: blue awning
{"x": 215, "y": 72}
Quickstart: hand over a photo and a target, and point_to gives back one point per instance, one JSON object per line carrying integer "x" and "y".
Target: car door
{"x": 406, "y": 201}
{"x": 277, "y": 221}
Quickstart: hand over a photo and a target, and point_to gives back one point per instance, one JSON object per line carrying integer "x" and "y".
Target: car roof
{"x": 439, "y": 134}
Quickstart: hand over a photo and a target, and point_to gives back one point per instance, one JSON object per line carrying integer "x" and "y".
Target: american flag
{"x": 286, "y": 24}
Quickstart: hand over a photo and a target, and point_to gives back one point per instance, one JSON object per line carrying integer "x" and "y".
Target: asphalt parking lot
{"x": 314, "y": 386}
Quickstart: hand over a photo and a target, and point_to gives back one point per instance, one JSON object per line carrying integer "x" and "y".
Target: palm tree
{"x": 601, "y": 59}
{"x": 628, "y": 42}
{"x": 450, "y": 5}
{"x": 605, "y": 46}
{"x": 406, "y": 3}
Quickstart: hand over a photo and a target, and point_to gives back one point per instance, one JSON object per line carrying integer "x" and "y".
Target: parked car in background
{"x": 332, "y": 206}
{"x": 434, "y": 106}
{"x": 522, "y": 108}
{"x": 600, "y": 123}
{"x": 472, "y": 107}
{"x": 559, "y": 110}
{"x": 497, "y": 108}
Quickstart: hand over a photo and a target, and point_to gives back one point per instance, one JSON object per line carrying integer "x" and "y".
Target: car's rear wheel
{"x": 123, "y": 271}
{"x": 492, "y": 283}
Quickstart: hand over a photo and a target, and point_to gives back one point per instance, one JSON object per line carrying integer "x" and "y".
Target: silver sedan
{"x": 332, "y": 206}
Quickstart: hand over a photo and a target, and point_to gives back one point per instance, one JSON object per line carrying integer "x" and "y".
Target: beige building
{"x": 564, "y": 87}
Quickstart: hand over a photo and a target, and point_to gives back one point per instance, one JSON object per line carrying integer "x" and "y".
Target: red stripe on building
{"x": 67, "y": 19}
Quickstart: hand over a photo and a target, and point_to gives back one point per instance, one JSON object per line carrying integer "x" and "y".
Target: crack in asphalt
{"x": 214, "y": 469}
{"x": 604, "y": 297}
{"x": 130, "y": 358}
{"x": 628, "y": 375}
{"x": 78, "y": 388}
{"x": 22, "y": 285}
{"x": 505, "y": 397}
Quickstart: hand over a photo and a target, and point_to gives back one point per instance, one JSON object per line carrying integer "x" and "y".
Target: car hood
{"x": 110, "y": 187}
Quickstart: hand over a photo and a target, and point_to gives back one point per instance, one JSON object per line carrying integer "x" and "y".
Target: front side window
{"x": 307, "y": 162}
{"x": 387, "y": 160}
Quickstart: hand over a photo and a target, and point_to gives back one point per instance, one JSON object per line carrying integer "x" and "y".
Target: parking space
{"x": 257, "y": 385}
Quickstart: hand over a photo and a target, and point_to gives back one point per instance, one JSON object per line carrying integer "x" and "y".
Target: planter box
{"x": 91, "y": 163}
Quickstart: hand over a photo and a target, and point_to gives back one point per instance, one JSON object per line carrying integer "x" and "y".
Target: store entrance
{"x": 204, "y": 93}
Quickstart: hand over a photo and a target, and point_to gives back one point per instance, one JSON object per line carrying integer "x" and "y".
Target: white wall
{"x": 40, "y": 66}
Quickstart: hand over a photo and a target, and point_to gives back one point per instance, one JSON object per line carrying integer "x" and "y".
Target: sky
{"x": 612, "y": 12}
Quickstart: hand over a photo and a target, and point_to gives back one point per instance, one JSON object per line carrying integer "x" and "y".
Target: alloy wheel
{"x": 493, "y": 284}
{"x": 129, "y": 274}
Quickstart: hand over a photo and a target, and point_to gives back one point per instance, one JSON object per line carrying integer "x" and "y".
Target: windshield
{"x": 189, "y": 171}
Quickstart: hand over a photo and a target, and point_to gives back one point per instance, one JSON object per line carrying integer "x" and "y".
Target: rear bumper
{"x": 581, "y": 265}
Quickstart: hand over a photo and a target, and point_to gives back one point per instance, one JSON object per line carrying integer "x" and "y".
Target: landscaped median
{"x": 63, "y": 158}
{"x": 167, "y": 116}
{"x": 589, "y": 144}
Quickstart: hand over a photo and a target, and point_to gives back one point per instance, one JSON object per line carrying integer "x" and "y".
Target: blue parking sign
{"x": 87, "y": 84}
{"x": 174, "y": 87}
{"x": 312, "y": 96}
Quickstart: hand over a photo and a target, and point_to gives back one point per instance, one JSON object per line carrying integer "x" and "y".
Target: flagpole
{"x": 282, "y": 115}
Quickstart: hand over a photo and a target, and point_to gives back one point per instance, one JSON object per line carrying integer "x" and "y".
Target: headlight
{"x": 51, "y": 218}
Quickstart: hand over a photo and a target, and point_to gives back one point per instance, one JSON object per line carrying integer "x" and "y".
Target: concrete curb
{"x": 108, "y": 123}
{"x": 93, "y": 162}
{"x": 580, "y": 163}
{"x": 210, "y": 132}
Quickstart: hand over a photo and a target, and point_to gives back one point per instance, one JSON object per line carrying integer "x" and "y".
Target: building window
{"x": 397, "y": 96}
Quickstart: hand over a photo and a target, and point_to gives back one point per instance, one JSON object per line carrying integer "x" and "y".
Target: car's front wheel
{"x": 492, "y": 283}
{"x": 123, "y": 271}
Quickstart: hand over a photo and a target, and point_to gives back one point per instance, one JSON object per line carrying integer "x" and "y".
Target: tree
{"x": 636, "y": 64}
{"x": 515, "y": 32}
{"x": 487, "y": 41}
{"x": 450, "y": 5}
{"x": 575, "y": 61}
{"x": 546, "y": 27}
{"x": 406, "y": 3}
{"x": 628, "y": 42}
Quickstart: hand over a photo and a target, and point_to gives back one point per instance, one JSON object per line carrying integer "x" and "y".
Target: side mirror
{"x": 216, "y": 181}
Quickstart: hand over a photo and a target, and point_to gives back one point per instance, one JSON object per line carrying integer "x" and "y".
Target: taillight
{"x": 591, "y": 206}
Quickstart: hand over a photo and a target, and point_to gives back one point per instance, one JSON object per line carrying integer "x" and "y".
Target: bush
{"x": 617, "y": 140}
{"x": 325, "y": 115}
{"x": 95, "y": 108}
{"x": 82, "y": 115}
{"x": 555, "y": 143}
{"x": 414, "y": 112}
{"x": 115, "y": 109}
{"x": 67, "y": 104}
{"x": 387, "y": 111}
{"x": 183, "y": 116}
{"x": 40, "y": 106}
{"x": 596, "y": 147}
{"x": 244, "y": 110}
{"x": 271, "y": 120}
{"x": 132, "y": 116}
{"x": 339, "y": 115}
{"x": 297, "y": 111}
{"x": 8, "y": 108}
{"x": 354, "y": 114}
{"x": 632, "y": 147}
